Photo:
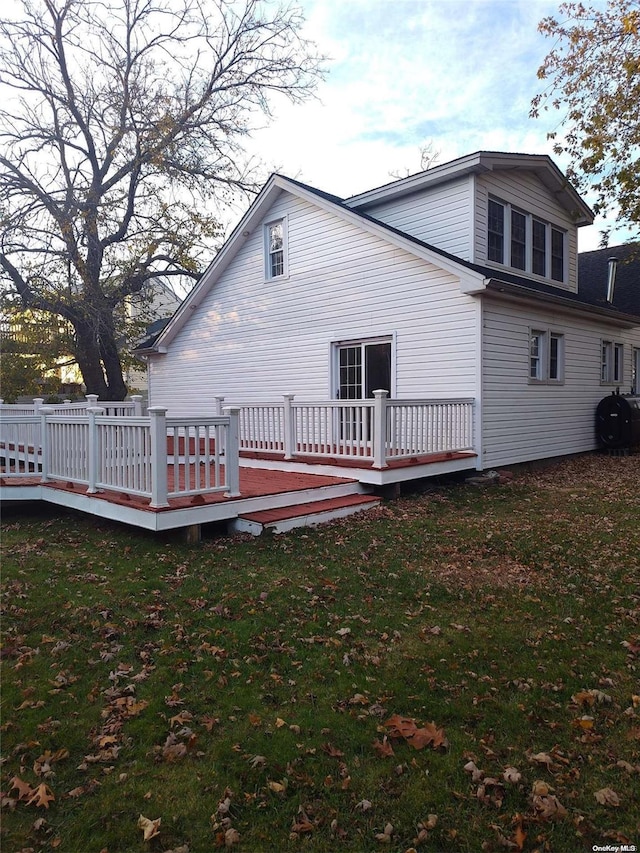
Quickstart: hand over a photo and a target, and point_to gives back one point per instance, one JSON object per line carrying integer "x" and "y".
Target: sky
{"x": 457, "y": 74}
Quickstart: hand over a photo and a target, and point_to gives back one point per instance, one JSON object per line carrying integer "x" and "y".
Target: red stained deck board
{"x": 254, "y": 482}
{"x": 269, "y": 515}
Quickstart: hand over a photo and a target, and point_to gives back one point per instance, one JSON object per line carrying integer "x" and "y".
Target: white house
{"x": 458, "y": 283}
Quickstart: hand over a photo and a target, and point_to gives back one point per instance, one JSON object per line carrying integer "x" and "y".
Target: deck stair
{"x": 282, "y": 519}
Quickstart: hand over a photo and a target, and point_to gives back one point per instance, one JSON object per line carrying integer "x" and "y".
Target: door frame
{"x": 334, "y": 359}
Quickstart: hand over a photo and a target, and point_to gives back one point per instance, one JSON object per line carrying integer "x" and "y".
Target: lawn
{"x": 455, "y": 671}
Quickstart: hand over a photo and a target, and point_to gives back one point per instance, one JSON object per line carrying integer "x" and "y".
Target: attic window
{"x": 275, "y": 249}
{"x": 519, "y": 240}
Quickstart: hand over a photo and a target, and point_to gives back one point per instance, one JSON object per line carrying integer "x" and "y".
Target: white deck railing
{"x": 124, "y": 408}
{"x": 376, "y": 430}
{"x": 149, "y": 456}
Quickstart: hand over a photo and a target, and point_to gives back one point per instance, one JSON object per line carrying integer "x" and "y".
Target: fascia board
{"x": 412, "y": 183}
{"x": 482, "y": 161}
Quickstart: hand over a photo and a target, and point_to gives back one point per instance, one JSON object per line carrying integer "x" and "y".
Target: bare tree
{"x": 122, "y": 124}
{"x": 428, "y": 159}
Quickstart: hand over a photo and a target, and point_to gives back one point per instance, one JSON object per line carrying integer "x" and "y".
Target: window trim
{"x": 283, "y": 222}
{"x": 611, "y": 362}
{"x": 550, "y": 231}
{"x": 545, "y": 358}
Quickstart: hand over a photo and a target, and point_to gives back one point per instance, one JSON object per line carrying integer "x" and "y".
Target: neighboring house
{"x": 458, "y": 282}
{"x": 151, "y": 309}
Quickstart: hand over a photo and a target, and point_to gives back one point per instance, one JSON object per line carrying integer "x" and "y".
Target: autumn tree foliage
{"x": 592, "y": 78}
{"x": 122, "y": 125}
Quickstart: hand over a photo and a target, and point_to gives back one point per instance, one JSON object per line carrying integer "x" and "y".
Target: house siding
{"x": 252, "y": 340}
{"x": 523, "y": 421}
{"x": 440, "y": 216}
{"x": 526, "y": 192}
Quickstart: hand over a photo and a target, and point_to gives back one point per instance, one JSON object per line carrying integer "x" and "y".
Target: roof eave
{"x": 619, "y": 318}
{"x": 483, "y": 161}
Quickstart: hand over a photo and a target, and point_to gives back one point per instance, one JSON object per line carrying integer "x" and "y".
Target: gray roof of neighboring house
{"x": 593, "y": 270}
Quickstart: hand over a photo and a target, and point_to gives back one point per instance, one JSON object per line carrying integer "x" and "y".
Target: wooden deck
{"x": 268, "y": 484}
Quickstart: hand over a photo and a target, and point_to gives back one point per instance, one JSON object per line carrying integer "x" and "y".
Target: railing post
{"x": 380, "y": 429}
{"x": 289, "y": 427}
{"x": 38, "y": 402}
{"x": 232, "y": 452}
{"x": 93, "y": 446}
{"x": 158, "y": 434}
{"x": 45, "y": 444}
{"x": 137, "y": 399}
{"x": 218, "y": 406}
{"x": 92, "y": 400}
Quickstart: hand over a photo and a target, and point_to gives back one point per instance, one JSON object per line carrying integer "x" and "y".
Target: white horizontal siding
{"x": 253, "y": 340}
{"x": 523, "y": 421}
{"x": 526, "y": 192}
{"x": 440, "y": 216}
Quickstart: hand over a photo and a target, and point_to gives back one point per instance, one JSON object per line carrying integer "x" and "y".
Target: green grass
{"x": 275, "y": 663}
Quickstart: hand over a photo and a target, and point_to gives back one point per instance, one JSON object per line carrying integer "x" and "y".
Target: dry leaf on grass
{"x": 150, "y": 828}
{"x": 42, "y": 796}
{"x": 23, "y": 788}
{"x": 607, "y": 797}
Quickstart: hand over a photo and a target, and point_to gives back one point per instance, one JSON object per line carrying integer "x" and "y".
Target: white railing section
{"x": 337, "y": 428}
{"x": 122, "y": 454}
{"x": 150, "y": 456}
{"x": 125, "y": 408}
{"x": 377, "y": 430}
{"x": 421, "y": 427}
{"x": 21, "y": 445}
{"x": 262, "y": 427}
{"x": 65, "y": 448}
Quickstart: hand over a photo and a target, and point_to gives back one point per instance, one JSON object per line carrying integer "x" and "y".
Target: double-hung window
{"x": 611, "y": 362}
{"x": 276, "y": 249}
{"x": 524, "y": 242}
{"x": 546, "y": 356}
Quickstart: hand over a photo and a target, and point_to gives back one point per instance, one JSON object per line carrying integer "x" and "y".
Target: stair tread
{"x": 266, "y": 516}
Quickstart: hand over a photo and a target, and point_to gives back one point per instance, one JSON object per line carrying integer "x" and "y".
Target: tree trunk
{"x": 98, "y": 360}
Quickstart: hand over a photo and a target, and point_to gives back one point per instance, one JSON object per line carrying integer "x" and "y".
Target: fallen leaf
{"x": 23, "y": 788}
{"x": 548, "y": 807}
{"x": 607, "y": 797}
{"x": 383, "y": 748}
{"x": 150, "y": 828}
{"x": 512, "y": 774}
{"x": 476, "y": 774}
{"x": 428, "y": 735}
{"x": 42, "y": 796}
{"x": 231, "y": 837}
{"x": 542, "y": 758}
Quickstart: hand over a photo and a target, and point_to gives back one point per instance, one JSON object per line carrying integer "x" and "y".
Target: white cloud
{"x": 458, "y": 73}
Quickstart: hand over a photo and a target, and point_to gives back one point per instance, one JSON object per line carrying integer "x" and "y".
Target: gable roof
{"x": 483, "y": 161}
{"x": 474, "y": 278}
{"x": 254, "y": 218}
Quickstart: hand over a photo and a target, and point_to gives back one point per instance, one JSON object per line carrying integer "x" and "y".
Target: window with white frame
{"x": 611, "y": 362}
{"x": 524, "y": 242}
{"x": 275, "y": 249}
{"x": 546, "y": 356}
